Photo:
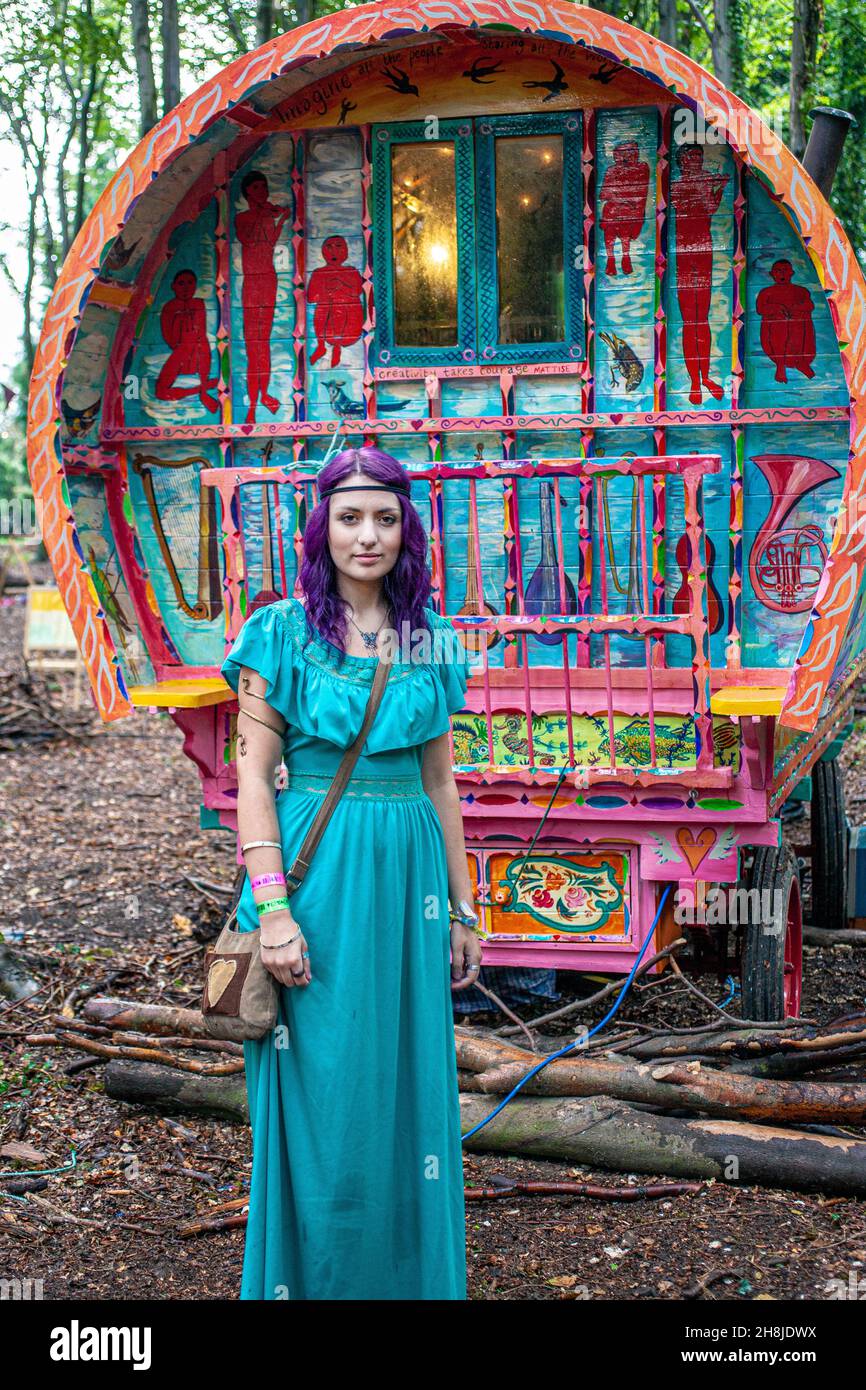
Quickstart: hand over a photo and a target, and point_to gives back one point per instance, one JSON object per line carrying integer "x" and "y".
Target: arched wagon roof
{"x": 167, "y": 162}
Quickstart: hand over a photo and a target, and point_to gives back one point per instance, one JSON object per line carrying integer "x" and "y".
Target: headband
{"x": 367, "y": 487}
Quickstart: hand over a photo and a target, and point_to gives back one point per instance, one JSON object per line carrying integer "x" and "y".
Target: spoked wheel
{"x": 771, "y": 961}
{"x": 829, "y": 848}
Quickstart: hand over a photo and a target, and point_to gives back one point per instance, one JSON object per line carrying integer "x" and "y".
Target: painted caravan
{"x": 613, "y": 329}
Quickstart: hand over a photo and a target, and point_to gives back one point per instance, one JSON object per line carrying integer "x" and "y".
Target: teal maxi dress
{"x": 357, "y": 1175}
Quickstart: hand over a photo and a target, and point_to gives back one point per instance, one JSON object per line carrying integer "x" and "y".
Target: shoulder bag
{"x": 240, "y": 995}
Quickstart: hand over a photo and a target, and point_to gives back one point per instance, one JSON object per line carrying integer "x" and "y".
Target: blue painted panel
{"x": 626, "y": 156}
{"x": 686, "y": 268}
{"x": 794, "y": 322}
{"x": 193, "y": 252}
{"x": 266, "y": 277}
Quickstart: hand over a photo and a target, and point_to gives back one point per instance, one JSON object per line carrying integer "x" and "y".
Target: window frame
{"x": 385, "y": 137}
{"x": 474, "y": 141}
{"x": 488, "y": 129}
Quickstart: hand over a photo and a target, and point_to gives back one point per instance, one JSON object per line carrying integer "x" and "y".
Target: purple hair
{"x": 406, "y": 587}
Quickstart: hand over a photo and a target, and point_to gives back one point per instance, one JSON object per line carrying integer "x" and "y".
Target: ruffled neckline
{"x": 323, "y": 642}
{"x": 323, "y": 691}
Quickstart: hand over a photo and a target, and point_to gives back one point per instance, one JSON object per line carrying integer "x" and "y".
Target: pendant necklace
{"x": 369, "y": 638}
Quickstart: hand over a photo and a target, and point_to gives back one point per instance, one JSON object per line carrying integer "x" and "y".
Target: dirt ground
{"x": 99, "y": 841}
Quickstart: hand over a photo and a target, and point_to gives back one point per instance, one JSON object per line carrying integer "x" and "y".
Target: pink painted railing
{"x": 568, "y": 687}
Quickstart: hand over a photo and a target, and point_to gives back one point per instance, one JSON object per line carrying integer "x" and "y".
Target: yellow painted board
{"x": 193, "y": 694}
{"x": 748, "y": 699}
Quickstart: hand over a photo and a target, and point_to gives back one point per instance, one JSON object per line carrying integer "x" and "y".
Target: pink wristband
{"x": 264, "y": 879}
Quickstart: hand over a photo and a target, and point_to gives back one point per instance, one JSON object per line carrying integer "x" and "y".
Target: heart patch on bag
{"x": 220, "y": 976}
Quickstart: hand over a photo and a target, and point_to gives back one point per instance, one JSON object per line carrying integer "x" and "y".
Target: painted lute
{"x": 542, "y": 592}
{"x": 474, "y": 603}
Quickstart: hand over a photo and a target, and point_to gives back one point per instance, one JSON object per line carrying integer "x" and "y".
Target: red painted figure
{"x": 696, "y": 196}
{"x": 184, "y": 327}
{"x": 623, "y": 199}
{"x": 258, "y": 230}
{"x": 336, "y": 291}
{"x": 787, "y": 331}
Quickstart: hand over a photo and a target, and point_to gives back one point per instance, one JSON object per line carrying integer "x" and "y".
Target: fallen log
{"x": 137, "y": 1017}
{"x": 605, "y": 1133}
{"x": 844, "y": 936}
{"x": 143, "y": 1083}
{"x": 691, "y": 1086}
{"x": 790, "y": 1064}
{"x": 710, "y": 1042}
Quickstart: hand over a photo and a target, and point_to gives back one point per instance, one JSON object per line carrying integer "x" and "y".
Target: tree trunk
{"x": 264, "y": 21}
{"x": 605, "y": 1133}
{"x": 808, "y": 17}
{"x": 723, "y": 51}
{"x": 668, "y": 22}
{"x": 147, "y": 116}
{"x": 170, "y": 56}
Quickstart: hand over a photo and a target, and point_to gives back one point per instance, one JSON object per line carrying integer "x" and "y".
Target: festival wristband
{"x": 264, "y": 880}
{"x": 272, "y": 905}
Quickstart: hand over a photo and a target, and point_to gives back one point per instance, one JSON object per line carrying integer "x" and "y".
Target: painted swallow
{"x": 482, "y": 70}
{"x": 398, "y": 80}
{"x": 555, "y": 86}
{"x": 605, "y": 74}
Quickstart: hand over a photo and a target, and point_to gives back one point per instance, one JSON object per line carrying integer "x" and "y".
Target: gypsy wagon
{"x": 614, "y": 330}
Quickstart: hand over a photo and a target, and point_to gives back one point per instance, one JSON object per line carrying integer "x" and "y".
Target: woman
{"x": 357, "y": 1181}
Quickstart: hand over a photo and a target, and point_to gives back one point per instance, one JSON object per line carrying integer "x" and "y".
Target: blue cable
{"x": 578, "y": 1042}
{"x": 733, "y": 989}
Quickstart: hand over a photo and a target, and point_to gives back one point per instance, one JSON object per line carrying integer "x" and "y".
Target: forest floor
{"x": 98, "y": 841}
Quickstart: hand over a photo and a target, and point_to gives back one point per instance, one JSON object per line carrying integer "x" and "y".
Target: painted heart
{"x": 219, "y": 978}
{"x": 694, "y": 848}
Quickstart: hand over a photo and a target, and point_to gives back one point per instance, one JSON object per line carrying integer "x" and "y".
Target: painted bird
{"x": 399, "y": 80}
{"x": 482, "y": 70}
{"x": 555, "y": 86}
{"x": 624, "y": 362}
{"x": 605, "y": 74}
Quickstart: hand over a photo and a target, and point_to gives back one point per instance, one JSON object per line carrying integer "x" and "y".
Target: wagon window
{"x": 477, "y": 240}
{"x": 529, "y": 239}
{"x": 424, "y": 244}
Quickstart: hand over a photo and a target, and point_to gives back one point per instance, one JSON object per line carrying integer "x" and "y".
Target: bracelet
{"x": 466, "y": 919}
{"x": 280, "y": 944}
{"x": 272, "y": 905}
{"x": 256, "y": 844}
{"x": 263, "y": 880}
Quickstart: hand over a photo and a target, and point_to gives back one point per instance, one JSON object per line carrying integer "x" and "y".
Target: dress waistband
{"x": 402, "y": 785}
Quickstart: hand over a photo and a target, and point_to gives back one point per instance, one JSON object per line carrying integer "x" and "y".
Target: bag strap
{"x": 295, "y": 875}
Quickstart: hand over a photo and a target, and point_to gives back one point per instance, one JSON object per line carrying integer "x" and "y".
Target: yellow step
{"x": 748, "y": 699}
{"x": 190, "y": 694}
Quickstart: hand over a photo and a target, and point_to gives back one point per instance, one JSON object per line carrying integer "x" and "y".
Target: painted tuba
{"x": 786, "y": 563}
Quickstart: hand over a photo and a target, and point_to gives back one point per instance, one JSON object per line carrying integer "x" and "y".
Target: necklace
{"x": 369, "y": 638}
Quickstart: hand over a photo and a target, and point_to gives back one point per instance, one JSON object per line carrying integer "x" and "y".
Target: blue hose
{"x": 578, "y": 1042}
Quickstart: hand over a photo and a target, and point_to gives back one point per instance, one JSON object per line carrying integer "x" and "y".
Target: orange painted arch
{"x": 609, "y": 38}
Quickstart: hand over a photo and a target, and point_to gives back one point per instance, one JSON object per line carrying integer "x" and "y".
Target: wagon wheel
{"x": 771, "y": 960}
{"x": 829, "y": 848}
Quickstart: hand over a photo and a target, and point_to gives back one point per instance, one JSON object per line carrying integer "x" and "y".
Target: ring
{"x": 305, "y": 953}
{"x": 472, "y": 967}
{"x": 295, "y": 976}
